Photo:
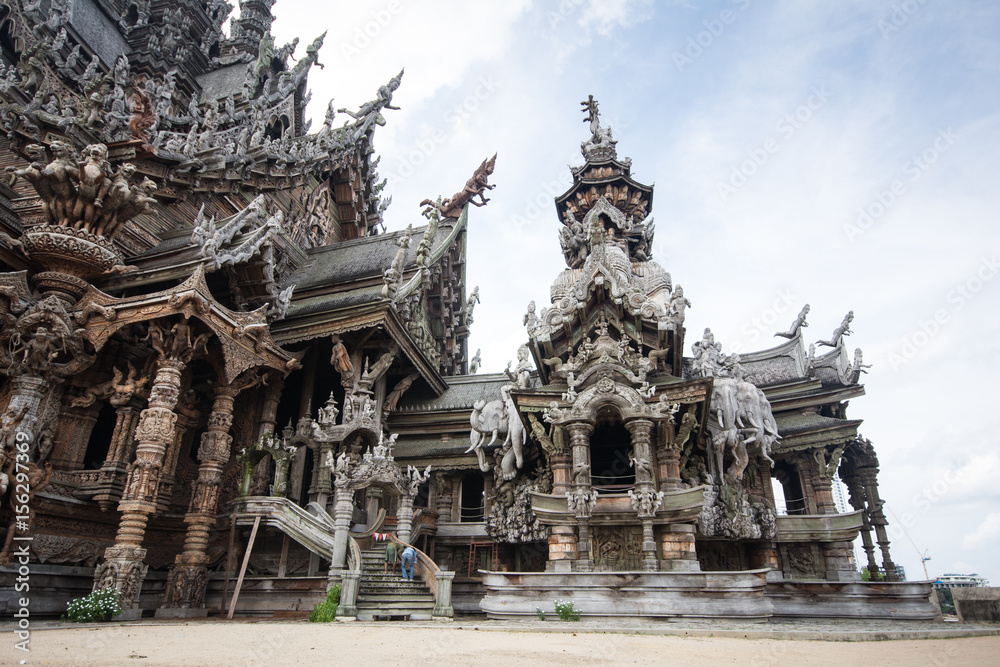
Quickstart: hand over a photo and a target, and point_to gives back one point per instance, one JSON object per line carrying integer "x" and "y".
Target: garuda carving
{"x": 474, "y": 187}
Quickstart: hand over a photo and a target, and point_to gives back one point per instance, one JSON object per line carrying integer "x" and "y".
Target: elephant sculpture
{"x": 740, "y": 416}
{"x": 497, "y": 418}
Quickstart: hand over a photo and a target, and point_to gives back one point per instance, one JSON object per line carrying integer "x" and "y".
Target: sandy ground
{"x": 298, "y": 643}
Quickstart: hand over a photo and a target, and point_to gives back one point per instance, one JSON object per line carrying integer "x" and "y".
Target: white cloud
{"x": 987, "y": 532}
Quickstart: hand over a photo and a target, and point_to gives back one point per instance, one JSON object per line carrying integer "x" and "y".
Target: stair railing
{"x": 379, "y": 520}
{"x": 350, "y": 581}
{"x": 437, "y": 580}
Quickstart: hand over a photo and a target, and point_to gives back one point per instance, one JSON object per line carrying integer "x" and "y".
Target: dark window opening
{"x": 611, "y": 470}
{"x": 473, "y": 507}
{"x": 423, "y": 495}
{"x": 277, "y": 128}
{"x": 100, "y": 438}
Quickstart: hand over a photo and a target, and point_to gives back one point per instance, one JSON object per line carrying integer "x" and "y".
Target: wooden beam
{"x": 229, "y": 559}
{"x": 243, "y": 568}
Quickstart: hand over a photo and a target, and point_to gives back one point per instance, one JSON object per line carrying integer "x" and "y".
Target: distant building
{"x": 960, "y": 581}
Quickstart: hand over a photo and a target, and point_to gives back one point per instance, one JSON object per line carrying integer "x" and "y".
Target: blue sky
{"x": 841, "y": 154}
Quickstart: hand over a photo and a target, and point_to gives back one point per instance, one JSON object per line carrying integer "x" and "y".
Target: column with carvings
{"x": 442, "y": 497}
{"x": 343, "y": 510}
{"x": 123, "y": 568}
{"x": 856, "y": 493}
{"x": 404, "y": 517}
{"x": 668, "y": 455}
{"x": 188, "y": 578}
{"x": 273, "y": 387}
{"x": 582, "y": 498}
{"x": 187, "y": 420}
{"x": 869, "y": 479}
{"x": 821, "y": 480}
{"x": 114, "y": 470}
{"x": 646, "y": 500}
{"x": 838, "y": 556}
{"x": 72, "y": 435}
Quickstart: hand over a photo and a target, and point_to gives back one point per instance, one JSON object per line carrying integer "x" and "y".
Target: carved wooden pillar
{"x": 822, "y": 485}
{"x": 123, "y": 567}
{"x": 72, "y": 435}
{"x": 321, "y": 475}
{"x": 645, "y": 499}
{"x": 668, "y": 455}
{"x": 856, "y": 492}
{"x": 114, "y": 470}
{"x": 869, "y": 479}
{"x": 582, "y": 498}
{"x": 442, "y": 497}
{"x": 187, "y": 419}
{"x": 404, "y": 517}
{"x": 562, "y": 465}
{"x": 343, "y": 510}
{"x": 373, "y": 498}
{"x": 123, "y": 438}
{"x": 187, "y": 580}
{"x": 269, "y": 410}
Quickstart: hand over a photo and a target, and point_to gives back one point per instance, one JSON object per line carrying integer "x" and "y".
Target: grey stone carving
{"x": 839, "y": 333}
{"x": 498, "y": 418}
{"x": 797, "y": 325}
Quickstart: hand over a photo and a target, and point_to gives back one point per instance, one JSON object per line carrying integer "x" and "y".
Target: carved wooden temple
{"x": 222, "y": 381}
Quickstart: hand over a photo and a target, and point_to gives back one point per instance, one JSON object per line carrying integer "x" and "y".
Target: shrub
{"x": 539, "y": 613}
{"x": 566, "y": 611}
{"x": 326, "y": 610}
{"x": 96, "y": 607}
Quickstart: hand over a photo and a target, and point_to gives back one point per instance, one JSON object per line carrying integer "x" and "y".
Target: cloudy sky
{"x": 841, "y": 154}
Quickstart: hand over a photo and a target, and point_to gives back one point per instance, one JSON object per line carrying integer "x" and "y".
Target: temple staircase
{"x": 386, "y": 596}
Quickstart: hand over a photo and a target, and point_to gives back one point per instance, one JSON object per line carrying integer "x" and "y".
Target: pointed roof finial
{"x": 601, "y": 146}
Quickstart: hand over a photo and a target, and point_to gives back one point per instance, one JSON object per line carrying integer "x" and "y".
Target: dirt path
{"x": 297, "y": 643}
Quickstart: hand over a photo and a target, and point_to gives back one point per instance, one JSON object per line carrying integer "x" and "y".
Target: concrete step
{"x": 384, "y": 595}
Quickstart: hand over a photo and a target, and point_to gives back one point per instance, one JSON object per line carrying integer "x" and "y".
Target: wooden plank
{"x": 283, "y": 563}
{"x": 229, "y": 559}
{"x": 243, "y": 568}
